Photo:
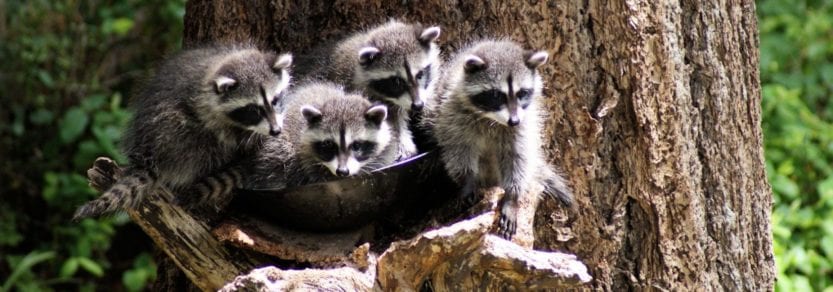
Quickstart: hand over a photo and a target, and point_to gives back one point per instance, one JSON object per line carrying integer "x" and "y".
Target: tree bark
{"x": 654, "y": 119}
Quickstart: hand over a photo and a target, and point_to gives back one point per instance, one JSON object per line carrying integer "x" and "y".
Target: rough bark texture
{"x": 655, "y": 120}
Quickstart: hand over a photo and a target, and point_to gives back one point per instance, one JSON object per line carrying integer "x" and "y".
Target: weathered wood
{"x": 319, "y": 249}
{"x": 460, "y": 257}
{"x": 188, "y": 242}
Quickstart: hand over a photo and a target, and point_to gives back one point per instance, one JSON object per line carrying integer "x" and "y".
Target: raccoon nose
{"x": 342, "y": 171}
{"x": 417, "y": 105}
{"x": 513, "y": 121}
{"x": 274, "y": 131}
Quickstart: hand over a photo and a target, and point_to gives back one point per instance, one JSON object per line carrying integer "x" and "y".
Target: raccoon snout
{"x": 274, "y": 131}
{"x": 342, "y": 171}
{"x": 417, "y": 105}
{"x": 513, "y": 121}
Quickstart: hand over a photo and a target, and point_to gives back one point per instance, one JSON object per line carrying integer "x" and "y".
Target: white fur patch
{"x": 537, "y": 59}
{"x": 331, "y": 165}
{"x": 283, "y": 61}
{"x": 223, "y": 82}
{"x": 430, "y": 34}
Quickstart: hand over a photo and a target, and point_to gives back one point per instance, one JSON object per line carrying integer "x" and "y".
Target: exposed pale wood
{"x": 460, "y": 257}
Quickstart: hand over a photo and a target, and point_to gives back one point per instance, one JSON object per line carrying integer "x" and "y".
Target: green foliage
{"x": 797, "y": 79}
{"x": 67, "y": 69}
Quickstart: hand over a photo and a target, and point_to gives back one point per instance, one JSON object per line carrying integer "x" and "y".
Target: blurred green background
{"x": 67, "y": 68}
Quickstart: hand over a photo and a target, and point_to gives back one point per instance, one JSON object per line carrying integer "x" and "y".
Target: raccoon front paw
{"x": 508, "y": 220}
{"x": 507, "y": 227}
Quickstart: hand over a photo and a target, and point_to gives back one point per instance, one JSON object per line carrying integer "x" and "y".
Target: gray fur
{"x": 396, "y": 42}
{"x": 479, "y": 147}
{"x": 289, "y": 160}
{"x": 182, "y": 130}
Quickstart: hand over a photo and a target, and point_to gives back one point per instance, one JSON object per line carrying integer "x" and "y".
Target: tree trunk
{"x": 655, "y": 121}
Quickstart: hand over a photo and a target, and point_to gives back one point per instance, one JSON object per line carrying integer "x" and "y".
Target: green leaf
{"x": 73, "y": 124}
{"x": 93, "y": 102}
{"x": 801, "y": 283}
{"x": 91, "y": 266}
{"x": 122, "y": 25}
{"x": 134, "y": 280}
{"x": 784, "y": 186}
{"x": 26, "y": 264}
{"x": 69, "y": 268}
{"x": 41, "y": 117}
{"x": 46, "y": 79}
{"x": 825, "y": 189}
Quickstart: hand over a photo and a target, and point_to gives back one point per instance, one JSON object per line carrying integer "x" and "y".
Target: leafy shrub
{"x": 797, "y": 79}
{"x": 67, "y": 69}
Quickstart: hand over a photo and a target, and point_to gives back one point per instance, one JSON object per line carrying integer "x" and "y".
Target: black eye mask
{"x": 391, "y": 87}
{"x": 362, "y": 150}
{"x": 325, "y": 150}
{"x": 489, "y": 100}
{"x": 248, "y": 115}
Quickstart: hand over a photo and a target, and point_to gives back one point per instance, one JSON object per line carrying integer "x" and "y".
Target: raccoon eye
{"x": 419, "y": 75}
{"x": 275, "y": 100}
{"x": 523, "y": 93}
{"x": 362, "y": 149}
{"x": 489, "y": 100}
{"x": 326, "y": 150}
{"x": 393, "y": 87}
{"x": 248, "y": 115}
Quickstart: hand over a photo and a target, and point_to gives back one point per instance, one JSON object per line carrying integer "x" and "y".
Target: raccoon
{"x": 329, "y": 134}
{"x": 203, "y": 109}
{"x": 488, "y": 125}
{"x": 394, "y": 63}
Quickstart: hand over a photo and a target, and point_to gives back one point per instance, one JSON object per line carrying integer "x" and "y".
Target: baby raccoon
{"x": 488, "y": 125}
{"x": 203, "y": 109}
{"x": 328, "y": 134}
{"x": 394, "y": 63}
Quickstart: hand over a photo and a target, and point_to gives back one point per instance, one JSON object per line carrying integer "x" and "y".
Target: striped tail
{"x": 556, "y": 187}
{"x": 214, "y": 191}
{"x": 127, "y": 192}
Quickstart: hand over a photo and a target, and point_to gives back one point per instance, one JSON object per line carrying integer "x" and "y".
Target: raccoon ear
{"x": 536, "y": 59}
{"x": 474, "y": 64}
{"x": 224, "y": 84}
{"x": 311, "y": 114}
{"x": 283, "y": 62}
{"x": 376, "y": 114}
{"x": 367, "y": 54}
{"x": 429, "y": 35}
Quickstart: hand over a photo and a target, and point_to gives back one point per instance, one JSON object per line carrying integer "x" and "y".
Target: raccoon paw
{"x": 508, "y": 221}
{"x": 507, "y": 226}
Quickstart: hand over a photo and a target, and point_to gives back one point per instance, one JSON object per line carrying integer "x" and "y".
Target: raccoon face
{"x": 400, "y": 66}
{"x": 250, "y": 92}
{"x": 502, "y": 91}
{"x": 345, "y": 146}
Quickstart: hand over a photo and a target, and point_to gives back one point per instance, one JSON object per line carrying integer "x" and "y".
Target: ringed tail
{"x": 214, "y": 190}
{"x": 127, "y": 192}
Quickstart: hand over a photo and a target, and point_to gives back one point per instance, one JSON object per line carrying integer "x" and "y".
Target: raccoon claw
{"x": 506, "y": 227}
